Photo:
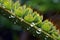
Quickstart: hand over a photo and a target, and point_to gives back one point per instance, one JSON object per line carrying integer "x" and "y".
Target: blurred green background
{"x": 43, "y": 5}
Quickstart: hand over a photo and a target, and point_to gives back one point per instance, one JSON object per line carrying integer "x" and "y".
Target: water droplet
{"x": 14, "y": 22}
{"x": 11, "y": 16}
{"x": 3, "y": 6}
{"x": 39, "y": 29}
{"x": 22, "y": 19}
{"x": 45, "y": 38}
{"x": 33, "y": 35}
{"x": 33, "y": 24}
{"x": 28, "y": 28}
{"x": 38, "y": 32}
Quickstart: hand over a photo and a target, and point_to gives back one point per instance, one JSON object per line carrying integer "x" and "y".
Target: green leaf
{"x": 37, "y": 17}
{"x": 29, "y": 18}
{"x": 29, "y": 10}
{"x": 24, "y": 6}
{"x": 16, "y": 5}
{"x": 1, "y": 1}
{"x": 8, "y": 4}
{"x": 46, "y": 26}
{"x": 58, "y": 38}
{"x": 54, "y": 36}
{"x": 19, "y": 11}
{"x": 56, "y": 32}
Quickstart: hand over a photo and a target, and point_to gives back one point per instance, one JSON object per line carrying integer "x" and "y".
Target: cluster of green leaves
{"x": 44, "y": 5}
{"x": 27, "y": 14}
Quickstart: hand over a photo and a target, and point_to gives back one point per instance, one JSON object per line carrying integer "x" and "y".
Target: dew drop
{"x": 39, "y": 29}
{"x": 4, "y": 7}
{"x": 47, "y": 36}
{"x": 32, "y": 24}
{"x": 33, "y": 35}
{"x": 11, "y": 16}
{"x": 22, "y": 19}
{"x": 14, "y": 22}
{"x": 28, "y": 28}
{"x": 38, "y": 32}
